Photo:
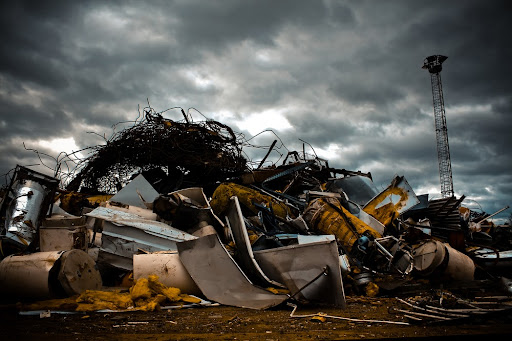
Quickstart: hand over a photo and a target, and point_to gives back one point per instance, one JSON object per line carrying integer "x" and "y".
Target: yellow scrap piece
{"x": 189, "y": 299}
{"x": 252, "y": 236}
{"x": 320, "y": 317}
{"x": 278, "y": 291}
{"x": 247, "y": 196}
{"x": 97, "y": 299}
{"x": 172, "y": 294}
{"x": 372, "y": 289}
{"x": 387, "y": 213}
{"x": 147, "y": 294}
{"x": 328, "y": 216}
{"x": 150, "y": 304}
{"x": 72, "y": 202}
{"x": 140, "y": 290}
{"x": 98, "y": 199}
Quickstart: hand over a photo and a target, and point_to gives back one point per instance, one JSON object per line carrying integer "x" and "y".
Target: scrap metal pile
{"x": 191, "y": 153}
{"x": 176, "y": 202}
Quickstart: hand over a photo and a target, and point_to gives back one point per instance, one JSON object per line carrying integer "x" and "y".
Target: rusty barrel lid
{"x": 78, "y": 272}
{"x": 428, "y": 256}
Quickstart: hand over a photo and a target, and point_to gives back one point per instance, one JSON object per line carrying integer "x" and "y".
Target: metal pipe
{"x": 268, "y": 153}
{"x": 492, "y": 215}
{"x": 325, "y": 271}
{"x": 292, "y": 314}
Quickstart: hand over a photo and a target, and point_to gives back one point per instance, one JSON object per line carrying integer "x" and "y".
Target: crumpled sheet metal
{"x": 32, "y": 196}
{"x": 219, "y": 277}
{"x": 235, "y": 221}
{"x": 396, "y": 199}
{"x": 359, "y": 189}
{"x": 366, "y": 218}
{"x": 22, "y": 220}
{"x": 149, "y": 226}
{"x": 137, "y": 192}
{"x": 124, "y": 233}
{"x": 297, "y": 265}
{"x": 188, "y": 209}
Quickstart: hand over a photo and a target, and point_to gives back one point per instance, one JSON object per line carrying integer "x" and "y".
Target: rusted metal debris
{"x": 298, "y": 232}
{"x": 191, "y": 153}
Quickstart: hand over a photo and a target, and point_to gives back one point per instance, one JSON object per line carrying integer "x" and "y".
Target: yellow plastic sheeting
{"x": 246, "y": 196}
{"x": 323, "y": 217}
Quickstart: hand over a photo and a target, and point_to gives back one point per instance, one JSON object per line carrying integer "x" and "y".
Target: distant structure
{"x": 434, "y": 65}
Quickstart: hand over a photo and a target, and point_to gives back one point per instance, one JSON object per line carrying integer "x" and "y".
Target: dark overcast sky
{"x": 344, "y": 76}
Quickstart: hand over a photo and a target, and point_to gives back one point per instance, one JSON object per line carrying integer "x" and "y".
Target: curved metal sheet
{"x": 236, "y": 223}
{"x": 219, "y": 277}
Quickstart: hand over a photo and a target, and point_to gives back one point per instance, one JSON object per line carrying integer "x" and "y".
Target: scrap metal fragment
{"x": 219, "y": 277}
{"x": 328, "y": 216}
{"x": 125, "y": 233}
{"x": 236, "y": 224}
{"x": 298, "y": 266}
{"x": 169, "y": 269}
{"x": 294, "y": 306}
{"x": 50, "y": 274}
{"x": 26, "y": 203}
{"x": 188, "y": 210}
{"x": 136, "y": 193}
{"x": 359, "y": 189}
{"x": 59, "y": 233}
{"x": 396, "y": 199}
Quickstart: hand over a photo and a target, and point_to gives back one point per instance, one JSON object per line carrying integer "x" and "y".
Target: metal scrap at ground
{"x": 300, "y": 232}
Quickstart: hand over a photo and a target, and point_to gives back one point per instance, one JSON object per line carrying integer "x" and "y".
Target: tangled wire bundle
{"x": 203, "y": 153}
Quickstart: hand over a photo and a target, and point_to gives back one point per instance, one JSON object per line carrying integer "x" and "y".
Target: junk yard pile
{"x": 171, "y": 214}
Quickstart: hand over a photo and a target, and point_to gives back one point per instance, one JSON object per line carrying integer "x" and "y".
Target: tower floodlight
{"x": 434, "y": 65}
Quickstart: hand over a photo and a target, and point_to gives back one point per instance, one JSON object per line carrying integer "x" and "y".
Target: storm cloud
{"x": 343, "y": 78}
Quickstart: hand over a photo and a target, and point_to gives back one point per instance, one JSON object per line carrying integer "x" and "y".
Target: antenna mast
{"x": 434, "y": 65}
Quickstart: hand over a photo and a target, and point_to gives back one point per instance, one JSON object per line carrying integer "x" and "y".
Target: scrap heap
{"x": 181, "y": 153}
{"x": 179, "y": 202}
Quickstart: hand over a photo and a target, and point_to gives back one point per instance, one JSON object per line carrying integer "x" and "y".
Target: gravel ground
{"x": 231, "y": 323}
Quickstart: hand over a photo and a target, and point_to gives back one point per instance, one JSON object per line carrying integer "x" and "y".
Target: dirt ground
{"x": 231, "y": 323}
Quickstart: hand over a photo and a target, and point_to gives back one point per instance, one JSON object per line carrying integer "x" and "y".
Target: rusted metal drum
{"x": 169, "y": 269}
{"x": 436, "y": 258}
{"x": 50, "y": 274}
{"x": 459, "y": 267}
{"x": 428, "y": 257}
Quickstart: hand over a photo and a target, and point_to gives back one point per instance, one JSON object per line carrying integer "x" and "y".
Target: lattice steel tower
{"x": 434, "y": 65}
